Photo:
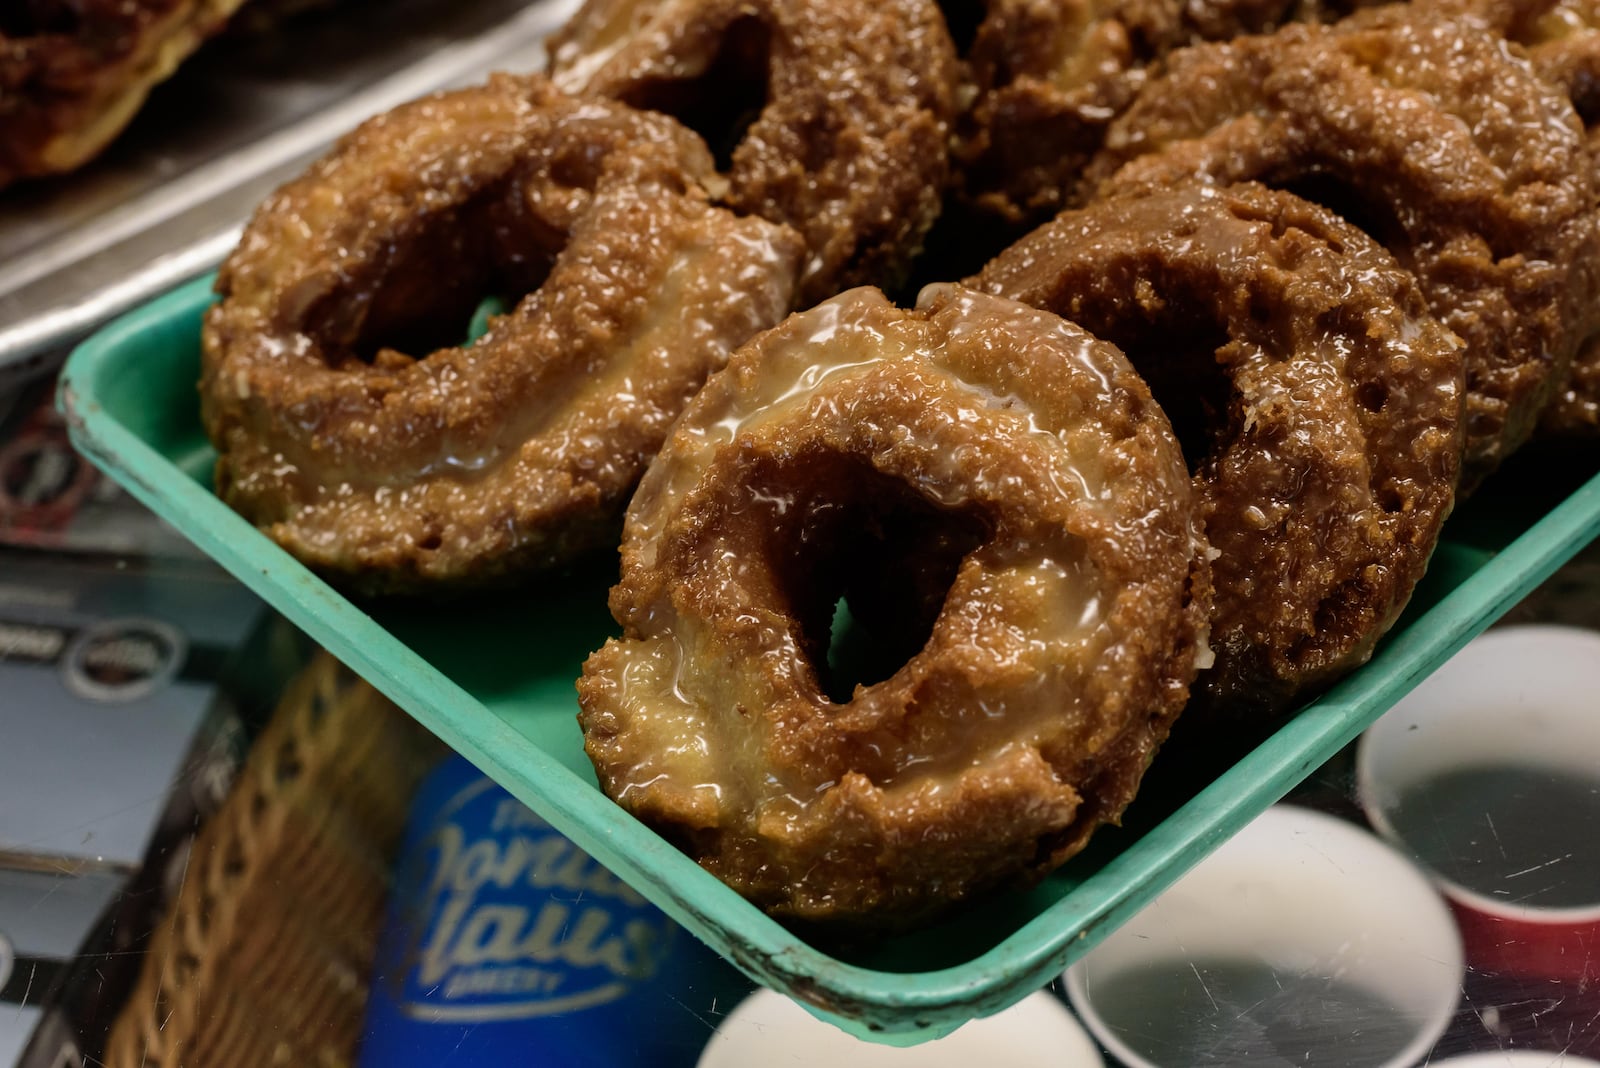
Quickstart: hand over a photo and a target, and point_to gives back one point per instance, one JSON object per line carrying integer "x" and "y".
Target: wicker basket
{"x": 264, "y": 956}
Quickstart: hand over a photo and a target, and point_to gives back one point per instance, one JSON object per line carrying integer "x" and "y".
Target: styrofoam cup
{"x": 768, "y": 1028}
{"x": 1327, "y": 913}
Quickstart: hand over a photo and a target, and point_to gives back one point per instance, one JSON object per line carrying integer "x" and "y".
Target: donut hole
{"x": 426, "y": 292}
{"x": 962, "y": 18}
{"x": 722, "y": 100}
{"x": 1370, "y": 214}
{"x": 899, "y": 565}
{"x": 1345, "y": 610}
{"x": 863, "y": 563}
{"x": 1174, "y": 345}
{"x": 1372, "y": 396}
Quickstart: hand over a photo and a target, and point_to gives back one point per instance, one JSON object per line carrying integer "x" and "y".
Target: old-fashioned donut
{"x": 1048, "y": 76}
{"x": 1317, "y": 399}
{"x": 832, "y": 116}
{"x": 352, "y": 428}
{"x": 74, "y": 72}
{"x": 1562, "y": 40}
{"x": 1431, "y": 135}
{"x": 1022, "y": 457}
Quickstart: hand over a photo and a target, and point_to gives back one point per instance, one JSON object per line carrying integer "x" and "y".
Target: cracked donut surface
{"x": 1024, "y": 457}
{"x": 1317, "y": 398}
{"x": 353, "y": 431}
{"x": 833, "y": 115}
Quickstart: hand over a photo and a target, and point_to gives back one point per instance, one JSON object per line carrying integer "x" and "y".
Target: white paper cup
{"x": 769, "y": 1029}
{"x": 1521, "y": 1058}
{"x": 1304, "y": 939}
{"x": 1523, "y": 697}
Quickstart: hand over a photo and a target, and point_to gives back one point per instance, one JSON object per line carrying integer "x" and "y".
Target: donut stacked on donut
{"x": 1450, "y": 152}
{"x": 1058, "y": 89}
{"x": 833, "y": 115}
{"x": 352, "y": 431}
{"x": 1047, "y": 77}
{"x": 1318, "y": 399}
{"x": 1049, "y": 551}
{"x": 1023, "y": 456}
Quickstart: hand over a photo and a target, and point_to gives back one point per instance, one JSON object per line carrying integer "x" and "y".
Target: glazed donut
{"x": 1564, "y": 45}
{"x": 1562, "y": 39}
{"x": 1317, "y": 399}
{"x": 1048, "y": 76}
{"x": 390, "y": 471}
{"x": 1428, "y": 133}
{"x": 74, "y": 72}
{"x": 833, "y": 115}
{"x": 1058, "y": 656}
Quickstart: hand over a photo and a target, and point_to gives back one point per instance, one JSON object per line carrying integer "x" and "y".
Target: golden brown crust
{"x": 1049, "y": 76}
{"x": 1460, "y": 160}
{"x": 848, "y": 108}
{"x": 1318, "y": 400}
{"x": 72, "y": 75}
{"x": 1562, "y": 40}
{"x": 1575, "y": 411}
{"x": 518, "y": 450}
{"x": 1053, "y": 666}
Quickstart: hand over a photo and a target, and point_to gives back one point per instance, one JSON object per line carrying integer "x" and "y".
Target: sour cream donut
{"x": 1005, "y": 447}
{"x": 350, "y": 426}
{"x": 1433, "y": 136}
{"x": 833, "y": 116}
{"x": 1318, "y": 400}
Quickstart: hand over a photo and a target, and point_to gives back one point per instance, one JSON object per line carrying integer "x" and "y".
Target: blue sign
{"x": 507, "y": 944}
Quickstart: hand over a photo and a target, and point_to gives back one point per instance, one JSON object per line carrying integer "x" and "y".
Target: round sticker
{"x": 42, "y": 481}
{"x": 124, "y": 659}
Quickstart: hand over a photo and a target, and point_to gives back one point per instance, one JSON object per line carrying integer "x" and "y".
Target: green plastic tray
{"x": 494, "y": 678}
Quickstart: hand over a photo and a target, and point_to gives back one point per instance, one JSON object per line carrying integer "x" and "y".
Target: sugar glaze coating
{"x": 1047, "y": 77}
{"x": 73, "y": 73}
{"x": 392, "y": 469}
{"x": 1053, "y": 666}
{"x": 1434, "y": 136}
{"x": 1319, "y": 401}
{"x": 847, "y": 105}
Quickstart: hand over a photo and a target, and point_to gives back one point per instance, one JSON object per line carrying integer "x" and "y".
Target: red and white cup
{"x": 1524, "y": 696}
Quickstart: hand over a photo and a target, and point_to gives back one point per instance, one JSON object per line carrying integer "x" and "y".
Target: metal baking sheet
{"x": 246, "y": 113}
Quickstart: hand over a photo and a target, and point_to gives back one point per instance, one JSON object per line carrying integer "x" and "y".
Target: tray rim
{"x": 895, "y": 1007}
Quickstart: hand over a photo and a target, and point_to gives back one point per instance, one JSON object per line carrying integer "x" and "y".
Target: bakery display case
{"x": 1106, "y": 522}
